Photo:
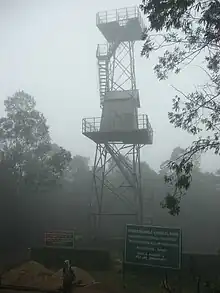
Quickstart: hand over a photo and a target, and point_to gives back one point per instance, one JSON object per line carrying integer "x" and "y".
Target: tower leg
{"x": 99, "y": 170}
{"x": 123, "y": 160}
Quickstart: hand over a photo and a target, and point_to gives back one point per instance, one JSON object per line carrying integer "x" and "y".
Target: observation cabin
{"x": 119, "y": 97}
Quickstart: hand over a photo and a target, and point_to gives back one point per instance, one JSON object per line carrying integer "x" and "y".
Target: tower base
{"x": 117, "y": 193}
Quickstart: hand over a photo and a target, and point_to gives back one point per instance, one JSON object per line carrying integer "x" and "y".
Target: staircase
{"x": 122, "y": 165}
{"x": 103, "y": 78}
{"x": 104, "y": 57}
{"x": 127, "y": 171}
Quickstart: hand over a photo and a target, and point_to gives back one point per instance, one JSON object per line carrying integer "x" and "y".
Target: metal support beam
{"x": 121, "y": 69}
{"x": 117, "y": 171}
{"x": 117, "y": 179}
{"x": 116, "y": 64}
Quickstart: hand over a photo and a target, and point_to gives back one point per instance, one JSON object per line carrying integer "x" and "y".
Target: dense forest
{"x": 44, "y": 187}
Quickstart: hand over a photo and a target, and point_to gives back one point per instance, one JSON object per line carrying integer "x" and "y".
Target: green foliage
{"x": 176, "y": 157}
{"x": 24, "y": 135}
{"x": 185, "y": 30}
{"x": 178, "y": 174}
{"x": 24, "y": 127}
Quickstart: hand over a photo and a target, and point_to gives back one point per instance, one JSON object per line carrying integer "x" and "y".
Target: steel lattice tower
{"x": 120, "y": 132}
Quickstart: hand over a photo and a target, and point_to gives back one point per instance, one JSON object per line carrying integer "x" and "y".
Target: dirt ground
{"x": 112, "y": 282}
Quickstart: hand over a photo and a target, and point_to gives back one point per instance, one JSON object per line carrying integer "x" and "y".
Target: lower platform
{"x": 142, "y": 135}
{"x": 133, "y": 137}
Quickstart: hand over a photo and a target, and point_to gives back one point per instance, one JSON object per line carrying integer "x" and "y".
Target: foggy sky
{"x": 48, "y": 49}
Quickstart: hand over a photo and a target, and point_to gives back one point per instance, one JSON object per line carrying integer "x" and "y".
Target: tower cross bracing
{"x": 120, "y": 132}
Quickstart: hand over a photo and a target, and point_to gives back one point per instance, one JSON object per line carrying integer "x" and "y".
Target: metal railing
{"x": 143, "y": 123}
{"x": 121, "y": 15}
{"x": 106, "y": 50}
{"x": 93, "y": 124}
{"x": 102, "y": 50}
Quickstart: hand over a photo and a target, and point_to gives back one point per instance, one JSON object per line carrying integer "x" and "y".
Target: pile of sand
{"x": 33, "y": 274}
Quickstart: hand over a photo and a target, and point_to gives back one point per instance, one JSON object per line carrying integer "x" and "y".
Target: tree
{"x": 186, "y": 30}
{"x": 147, "y": 172}
{"x": 26, "y": 144}
{"x": 76, "y": 168}
{"x": 176, "y": 157}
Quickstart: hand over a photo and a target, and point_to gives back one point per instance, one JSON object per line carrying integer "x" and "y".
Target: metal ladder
{"x": 103, "y": 77}
{"x": 103, "y": 65}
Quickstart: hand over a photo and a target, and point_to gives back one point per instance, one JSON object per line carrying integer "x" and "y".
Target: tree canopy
{"x": 26, "y": 146}
{"x": 185, "y": 30}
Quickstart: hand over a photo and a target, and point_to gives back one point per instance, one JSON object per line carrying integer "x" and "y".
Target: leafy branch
{"x": 184, "y": 31}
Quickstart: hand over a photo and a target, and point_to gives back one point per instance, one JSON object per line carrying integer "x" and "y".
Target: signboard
{"x": 153, "y": 246}
{"x": 62, "y": 239}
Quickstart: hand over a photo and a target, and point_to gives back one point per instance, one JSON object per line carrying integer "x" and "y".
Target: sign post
{"x": 153, "y": 246}
{"x": 59, "y": 239}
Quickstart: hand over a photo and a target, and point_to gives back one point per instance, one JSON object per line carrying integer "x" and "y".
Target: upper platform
{"x": 142, "y": 135}
{"x": 120, "y": 25}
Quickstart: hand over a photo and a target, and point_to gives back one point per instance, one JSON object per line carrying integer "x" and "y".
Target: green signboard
{"x": 153, "y": 246}
{"x": 64, "y": 239}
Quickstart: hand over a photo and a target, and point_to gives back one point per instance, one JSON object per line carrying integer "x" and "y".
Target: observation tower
{"x": 120, "y": 132}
